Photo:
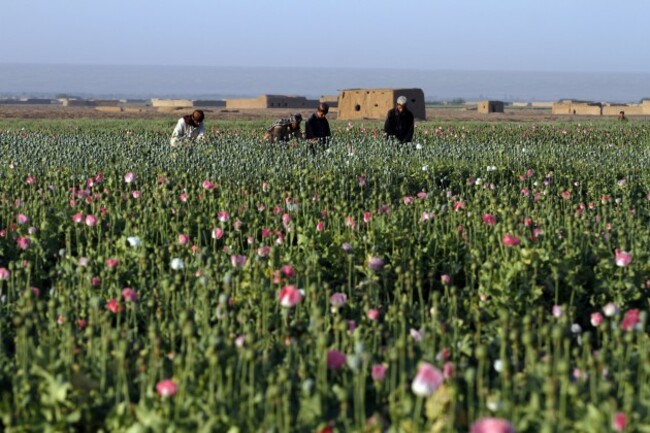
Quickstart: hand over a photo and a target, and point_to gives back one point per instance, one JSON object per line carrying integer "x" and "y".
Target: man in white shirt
{"x": 189, "y": 128}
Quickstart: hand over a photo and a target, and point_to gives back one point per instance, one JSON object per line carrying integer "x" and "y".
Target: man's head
{"x": 323, "y": 109}
{"x": 295, "y": 120}
{"x": 198, "y": 116}
{"x": 401, "y": 103}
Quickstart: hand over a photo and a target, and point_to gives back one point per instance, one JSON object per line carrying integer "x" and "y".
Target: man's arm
{"x": 309, "y": 129}
{"x": 201, "y": 134}
{"x": 178, "y": 133}
{"x": 388, "y": 124}
{"x": 328, "y": 132}
{"x": 409, "y": 135}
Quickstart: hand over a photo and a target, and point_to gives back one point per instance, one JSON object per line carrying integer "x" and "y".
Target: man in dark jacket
{"x": 399, "y": 122}
{"x": 317, "y": 128}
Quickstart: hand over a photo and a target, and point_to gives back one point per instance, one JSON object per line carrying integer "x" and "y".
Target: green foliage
{"x": 77, "y": 354}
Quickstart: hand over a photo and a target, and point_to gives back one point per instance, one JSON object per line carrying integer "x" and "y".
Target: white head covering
{"x": 402, "y": 100}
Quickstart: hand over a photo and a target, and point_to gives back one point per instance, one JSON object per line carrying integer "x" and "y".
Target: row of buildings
{"x": 351, "y": 104}
{"x": 585, "y": 108}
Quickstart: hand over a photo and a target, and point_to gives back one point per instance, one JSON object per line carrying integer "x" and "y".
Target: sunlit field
{"x": 485, "y": 276}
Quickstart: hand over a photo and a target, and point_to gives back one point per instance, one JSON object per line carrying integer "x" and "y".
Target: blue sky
{"x": 512, "y": 35}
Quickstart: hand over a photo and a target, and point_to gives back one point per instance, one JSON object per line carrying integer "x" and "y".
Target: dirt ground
{"x": 437, "y": 114}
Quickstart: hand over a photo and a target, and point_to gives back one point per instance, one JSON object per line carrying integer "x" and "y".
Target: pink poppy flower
{"x": 362, "y": 182}
{"x": 320, "y": 226}
{"x": 183, "y": 239}
{"x": 347, "y": 247}
{"x": 375, "y": 263}
{"x": 630, "y": 320}
{"x": 238, "y": 260}
{"x": 427, "y": 380}
{"x": 4, "y": 274}
{"x": 378, "y": 372}
{"x": 336, "y": 360}
{"x": 415, "y": 335}
{"x": 261, "y": 207}
{"x": 81, "y": 324}
{"x": 30, "y": 180}
{"x": 510, "y": 240}
{"x": 422, "y": 195}
{"x": 443, "y": 355}
{"x": 566, "y": 195}
{"x": 166, "y": 388}
{"x": 445, "y": 279}
{"x": 426, "y": 216}
{"x": 338, "y": 299}
{"x": 596, "y": 319}
{"x": 60, "y": 320}
{"x": 408, "y": 199}
{"x": 610, "y": 309}
{"x": 290, "y": 296}
{"x": 207, "y": 185}
{"x": 237, "y": 225}
{"x": 217, "y": 233}
{"x": 349, "y": 222}
{"x": 263, "y": 251}
{"x": 112, "y": 263}
{"x": 113, "y": 306}
{"x": 240, "y": 341}
{"x": 22, "y": 219}
{"x": 223, "y": 216}
{"x": 489, "y": 219}
{"x": 129, "y": 294}
{"x": 23, "y": 242}
{"x": 373, "y": 314}
{"x": 288, "y": 271}
{"x": 77, "y": 218}
{"x": 448, "y": 370}
{"x": 91, "y": 220}
{"x": 557, "y": 311}
{"x": 622, "y": 258}
{"x": 136, "y": 194}
{"x": 95, "y": 281}
{"x": 183, "y": 197}
{"x": 619, "y": 421}
{"x": 492, "y": 425}
{"x": 129, "y": 177}
{"x": 367, "y": 217}
{"x": 286, "y": 220}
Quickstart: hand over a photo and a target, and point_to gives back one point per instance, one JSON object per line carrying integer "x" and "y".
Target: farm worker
{"x": 621, "y": 116}
{"x": 284, "y": 129}
{"x": 317, "y": 128}
{"x": 399, "y": 122}
{"x": 189, "y": 128}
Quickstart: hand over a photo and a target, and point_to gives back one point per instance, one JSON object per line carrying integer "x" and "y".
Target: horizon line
{"x": 316, "y": 67}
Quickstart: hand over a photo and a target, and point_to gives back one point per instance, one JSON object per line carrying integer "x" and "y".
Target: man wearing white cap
{"x": 399, "y": 122}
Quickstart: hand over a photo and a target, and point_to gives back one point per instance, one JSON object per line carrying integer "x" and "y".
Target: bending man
{"x": 189, "y": 128}
{"x": 399, "y": 123}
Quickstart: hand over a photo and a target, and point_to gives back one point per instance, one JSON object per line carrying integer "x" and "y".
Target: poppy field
{"x": 489, "y": 277}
